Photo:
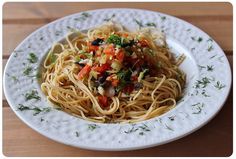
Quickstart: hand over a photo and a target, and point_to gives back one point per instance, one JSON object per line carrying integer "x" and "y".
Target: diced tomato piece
{"x": 103, "y": 101}
{"x": 143, "y": 43}
{"x": 128, "y": 89}
{"x": 114, "y": 82}
{"x": 102, "y": 68}
{"x": 120, "y": 56}
{"x": 134, "y": 78}
{"x": 125, "y": 35}
{"x": 109, "y": 50}
{"x": 93, "y": 48}
{"x": 84, "y": 72}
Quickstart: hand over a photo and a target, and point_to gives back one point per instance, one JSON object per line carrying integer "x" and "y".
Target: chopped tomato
{"x": 84, "y": 72}
{"x": 125, "y": 35}
{"x": 114, "y": 82}
{"x": 128, "y": 89}
{"x": 102, "y": 68}
{"x": 92, "y": 47}
{"x": 103, "y": 101}
{"x": 109, "y": 50}
{"x": 143, "y": 43}
{"x": 120, "y": 56}
{"x": 134, "y": 78}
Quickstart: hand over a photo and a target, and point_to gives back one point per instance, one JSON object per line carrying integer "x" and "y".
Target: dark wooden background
{"x": 214, "y": 139}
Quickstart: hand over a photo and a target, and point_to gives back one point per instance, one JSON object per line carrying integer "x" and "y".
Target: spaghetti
{"x": 112, "y": 75}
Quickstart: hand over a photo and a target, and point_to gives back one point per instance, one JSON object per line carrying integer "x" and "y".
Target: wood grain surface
{"x": 214, "y": 139}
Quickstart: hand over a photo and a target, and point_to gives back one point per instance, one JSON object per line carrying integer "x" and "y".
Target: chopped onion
{"x": 116, "y": 65}
{"x": 101, "y": 90}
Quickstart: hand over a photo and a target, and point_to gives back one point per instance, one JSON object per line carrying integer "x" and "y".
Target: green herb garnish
{"x": 198, "y": 106}
{"x": 139, "y": 23}
{"x": 71, "y": 29}
{"x": 151, "y": 24}
{"x": 172, "y": 118}
{"x": 28, "y": 71}
{"x": 219, "y": 86}
{"x": 36, "y": 110}
{"x": 199, "y": 39}
{"x": 114, "y": 39}
{"x": 32, "y": 95}
{"x": 203, "y": 82}
{"x": 204, "y": 93}
{"x": 210, "y": 68}
{"x": 144, "y": 127}
{"x": 133, "y": 129}
{"x": 210, "y": 48}
{"x": 163, "y": 18}
{"x": 14, "y": 78}
{"x": 92, "y": 126}
{"x": 201, "y": 67}
{"x": 213, "y": 56}
{"x": 32, "y": 58}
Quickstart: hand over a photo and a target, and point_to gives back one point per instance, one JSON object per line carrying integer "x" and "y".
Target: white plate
{"x": 206, "y": 66}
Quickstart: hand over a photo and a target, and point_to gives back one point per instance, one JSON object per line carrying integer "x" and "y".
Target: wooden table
{"x": 214, "y": 139}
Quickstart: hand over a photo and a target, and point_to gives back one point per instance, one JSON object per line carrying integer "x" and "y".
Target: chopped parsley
{"x": 163, "y": 18}
{"x": 28, "y": 71}
{"x": 204, "y": 93}
{"x": 219, "y": 86}
{"x": 32, "y": 95}
{"x": 14, "y": 78}
{"x": 133, "y": 129}
{"x": 203, "y": 82}
{"x": 36, "y": 110}
{"x": 210, "y": 68}
{"x": 172, "y": 118}
{"x": 71, "y": 29}
{"x": 114, "y": 39}
{"x": 198, "y": 107}
{"x": 210, "y": 48}
{"x": 213, "y": 56}
{"x": 199, "y": 39}
{"x": 139, "y": 23}
{"x": 92, "y": 127}
{"x": 151, "y": 24}
{"x": 32, "y": 58}
{"x": 144, "y": 127}
{"x": 201, "y": 67}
